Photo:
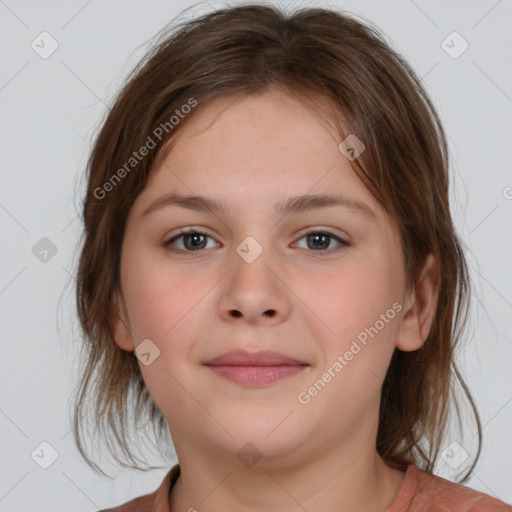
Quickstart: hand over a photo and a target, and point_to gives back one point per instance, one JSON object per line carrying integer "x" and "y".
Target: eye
{"x": 321, "y": 240}
{"x": 194, "y": 241}
{"x": 191, "y": 241}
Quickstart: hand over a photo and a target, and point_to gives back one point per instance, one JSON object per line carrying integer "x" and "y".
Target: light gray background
{"x": 50, "y": 110}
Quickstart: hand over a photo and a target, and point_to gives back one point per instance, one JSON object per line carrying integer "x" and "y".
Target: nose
{"x": 255, "y": 292}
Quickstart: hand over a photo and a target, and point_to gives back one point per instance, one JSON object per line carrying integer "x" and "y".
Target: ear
{"x": 420, "y": 308}
{"x": 120, "y": 324}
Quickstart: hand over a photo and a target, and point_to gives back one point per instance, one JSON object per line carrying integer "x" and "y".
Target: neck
{"x": 351, "y": 479}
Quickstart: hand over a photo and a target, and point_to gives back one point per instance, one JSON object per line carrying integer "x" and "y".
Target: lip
{"x": 254, "y": 376}
{"x": 246, "y": 358}
{"x": 255, "y": 368}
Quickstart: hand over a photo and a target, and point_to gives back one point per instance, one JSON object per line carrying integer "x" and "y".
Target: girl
{"x": 270, "y": 273}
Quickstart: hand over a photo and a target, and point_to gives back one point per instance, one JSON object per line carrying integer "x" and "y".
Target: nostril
{"x": 270, "y": 312}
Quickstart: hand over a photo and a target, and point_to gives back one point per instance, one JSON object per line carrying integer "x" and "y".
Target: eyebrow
{"x": 297, "y": 204}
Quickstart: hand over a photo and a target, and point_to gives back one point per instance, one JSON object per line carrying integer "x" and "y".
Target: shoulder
{"x": 157, "y": 501}
{"x": 139, "y": 504}
{"x": 436, "y": 494}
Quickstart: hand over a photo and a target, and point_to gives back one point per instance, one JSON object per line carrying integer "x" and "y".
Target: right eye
{"x": 191, "y": 241}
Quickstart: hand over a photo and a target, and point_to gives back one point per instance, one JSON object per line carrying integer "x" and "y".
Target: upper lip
{"x": 246, "y": 358}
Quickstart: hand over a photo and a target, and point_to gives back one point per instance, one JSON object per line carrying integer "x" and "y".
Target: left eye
{"x": 193, "y": 241}
{"x": 320, "y": 240}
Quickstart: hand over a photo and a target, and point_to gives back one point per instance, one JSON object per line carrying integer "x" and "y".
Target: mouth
{"x": 255, "y": 368}
{"x": 257, "y": 375}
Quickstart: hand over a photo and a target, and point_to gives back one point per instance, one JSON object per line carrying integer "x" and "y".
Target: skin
{"x": 251, "y": 153}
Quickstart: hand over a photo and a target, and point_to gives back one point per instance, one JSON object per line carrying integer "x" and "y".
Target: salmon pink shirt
{"x": 419, "y": 492}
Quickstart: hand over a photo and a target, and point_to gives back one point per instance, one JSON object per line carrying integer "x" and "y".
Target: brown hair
{"x": 365, "y": 89}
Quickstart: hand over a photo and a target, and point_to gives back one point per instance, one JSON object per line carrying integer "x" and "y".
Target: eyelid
{"x": 342, "y": 241}
{"x": 189, "y": 230}
{"x": 325, "y": 230}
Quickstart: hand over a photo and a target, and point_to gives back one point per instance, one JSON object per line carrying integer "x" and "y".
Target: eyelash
{"x": 342, "y": 243}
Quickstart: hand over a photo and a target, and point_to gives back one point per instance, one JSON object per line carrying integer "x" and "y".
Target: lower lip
{"x": 257, "y": 375}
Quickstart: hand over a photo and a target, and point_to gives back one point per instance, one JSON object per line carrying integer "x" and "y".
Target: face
{"x": 320, "y": 282}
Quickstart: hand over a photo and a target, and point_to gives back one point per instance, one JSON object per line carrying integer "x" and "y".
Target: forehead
{"x": 257, "y": 125}
{"x": 256, "y": 149}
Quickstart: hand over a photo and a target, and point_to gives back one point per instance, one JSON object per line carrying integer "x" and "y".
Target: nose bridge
{"x": 251, "y": 260}
{"x": 253, "y": 289}
{"x": 250, "y": 250}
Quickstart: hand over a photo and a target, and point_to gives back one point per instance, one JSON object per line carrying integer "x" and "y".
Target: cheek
{"x": 360, "y": 305}
{"x": 354, "y": 297}
{"x": 159, "y": 297}
{"x": 165, "y": 307}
